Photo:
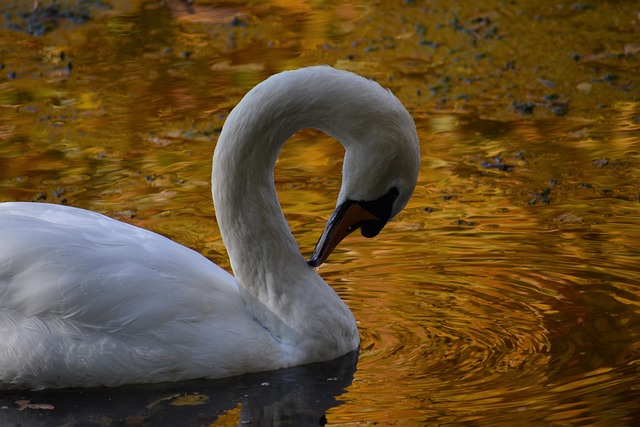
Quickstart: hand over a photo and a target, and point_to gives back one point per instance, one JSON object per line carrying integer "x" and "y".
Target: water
{"x": 506, "y": 292}
{"x": 495, "y": 307}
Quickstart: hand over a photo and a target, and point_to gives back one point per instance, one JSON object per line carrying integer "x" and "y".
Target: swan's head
{"x": 381, "y": 163}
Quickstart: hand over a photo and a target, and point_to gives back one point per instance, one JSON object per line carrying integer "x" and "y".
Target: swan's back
{"x": 77, "y": 288}
{"x": 40, "y": 241}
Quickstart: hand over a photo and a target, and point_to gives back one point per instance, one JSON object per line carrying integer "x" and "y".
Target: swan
{"x": 86, "y": 300}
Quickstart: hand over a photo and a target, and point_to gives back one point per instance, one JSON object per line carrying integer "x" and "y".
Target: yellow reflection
{"x": 506, "y": 293}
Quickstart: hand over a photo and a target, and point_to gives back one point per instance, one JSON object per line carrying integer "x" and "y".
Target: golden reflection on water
{"x": 506, "y": 292}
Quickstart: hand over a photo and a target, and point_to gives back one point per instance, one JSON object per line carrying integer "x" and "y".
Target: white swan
{"x": 86, "y": 300}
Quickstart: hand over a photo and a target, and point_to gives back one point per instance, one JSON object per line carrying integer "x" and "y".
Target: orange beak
{"x": 349, "y": 216}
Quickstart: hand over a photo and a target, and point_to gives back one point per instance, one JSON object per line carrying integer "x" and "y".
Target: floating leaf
{"x": 190, "y": 400}
{"x": 159, "y": 401}
{"x": 25, "y": 404}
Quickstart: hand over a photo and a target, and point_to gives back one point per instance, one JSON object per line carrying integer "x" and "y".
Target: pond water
{"x": 508, "y": 290}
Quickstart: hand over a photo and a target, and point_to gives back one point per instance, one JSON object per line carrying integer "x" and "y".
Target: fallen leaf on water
{"x": 584, "y": 87}
{"x": 229, "y": 418}
{"x": 162, "y": 399}
{"x": 632, "y": 49}
{"x": 190, "y": 400}
{"x": 24, "y": 404}
{"x": 568, "y": 217}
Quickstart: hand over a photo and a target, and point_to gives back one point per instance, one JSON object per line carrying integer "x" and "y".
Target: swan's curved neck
{"x": 273, "y": 276}
{"x": 251, "y": 221}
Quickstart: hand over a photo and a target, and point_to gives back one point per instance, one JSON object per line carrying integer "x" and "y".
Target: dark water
{"x": 296, "y": 396}
{"x": 508, "y": 291}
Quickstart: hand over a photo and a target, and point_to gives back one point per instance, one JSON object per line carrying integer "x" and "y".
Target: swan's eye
{"x": 381, "y": 208}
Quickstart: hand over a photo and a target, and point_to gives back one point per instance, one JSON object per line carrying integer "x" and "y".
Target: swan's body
{"x": 86, "y": 300}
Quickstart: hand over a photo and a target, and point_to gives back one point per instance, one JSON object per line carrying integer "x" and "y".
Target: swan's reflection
{"x": 297, "y": 396}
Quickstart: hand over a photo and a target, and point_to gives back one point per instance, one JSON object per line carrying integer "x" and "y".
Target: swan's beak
{"x": 349, "y": 216}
